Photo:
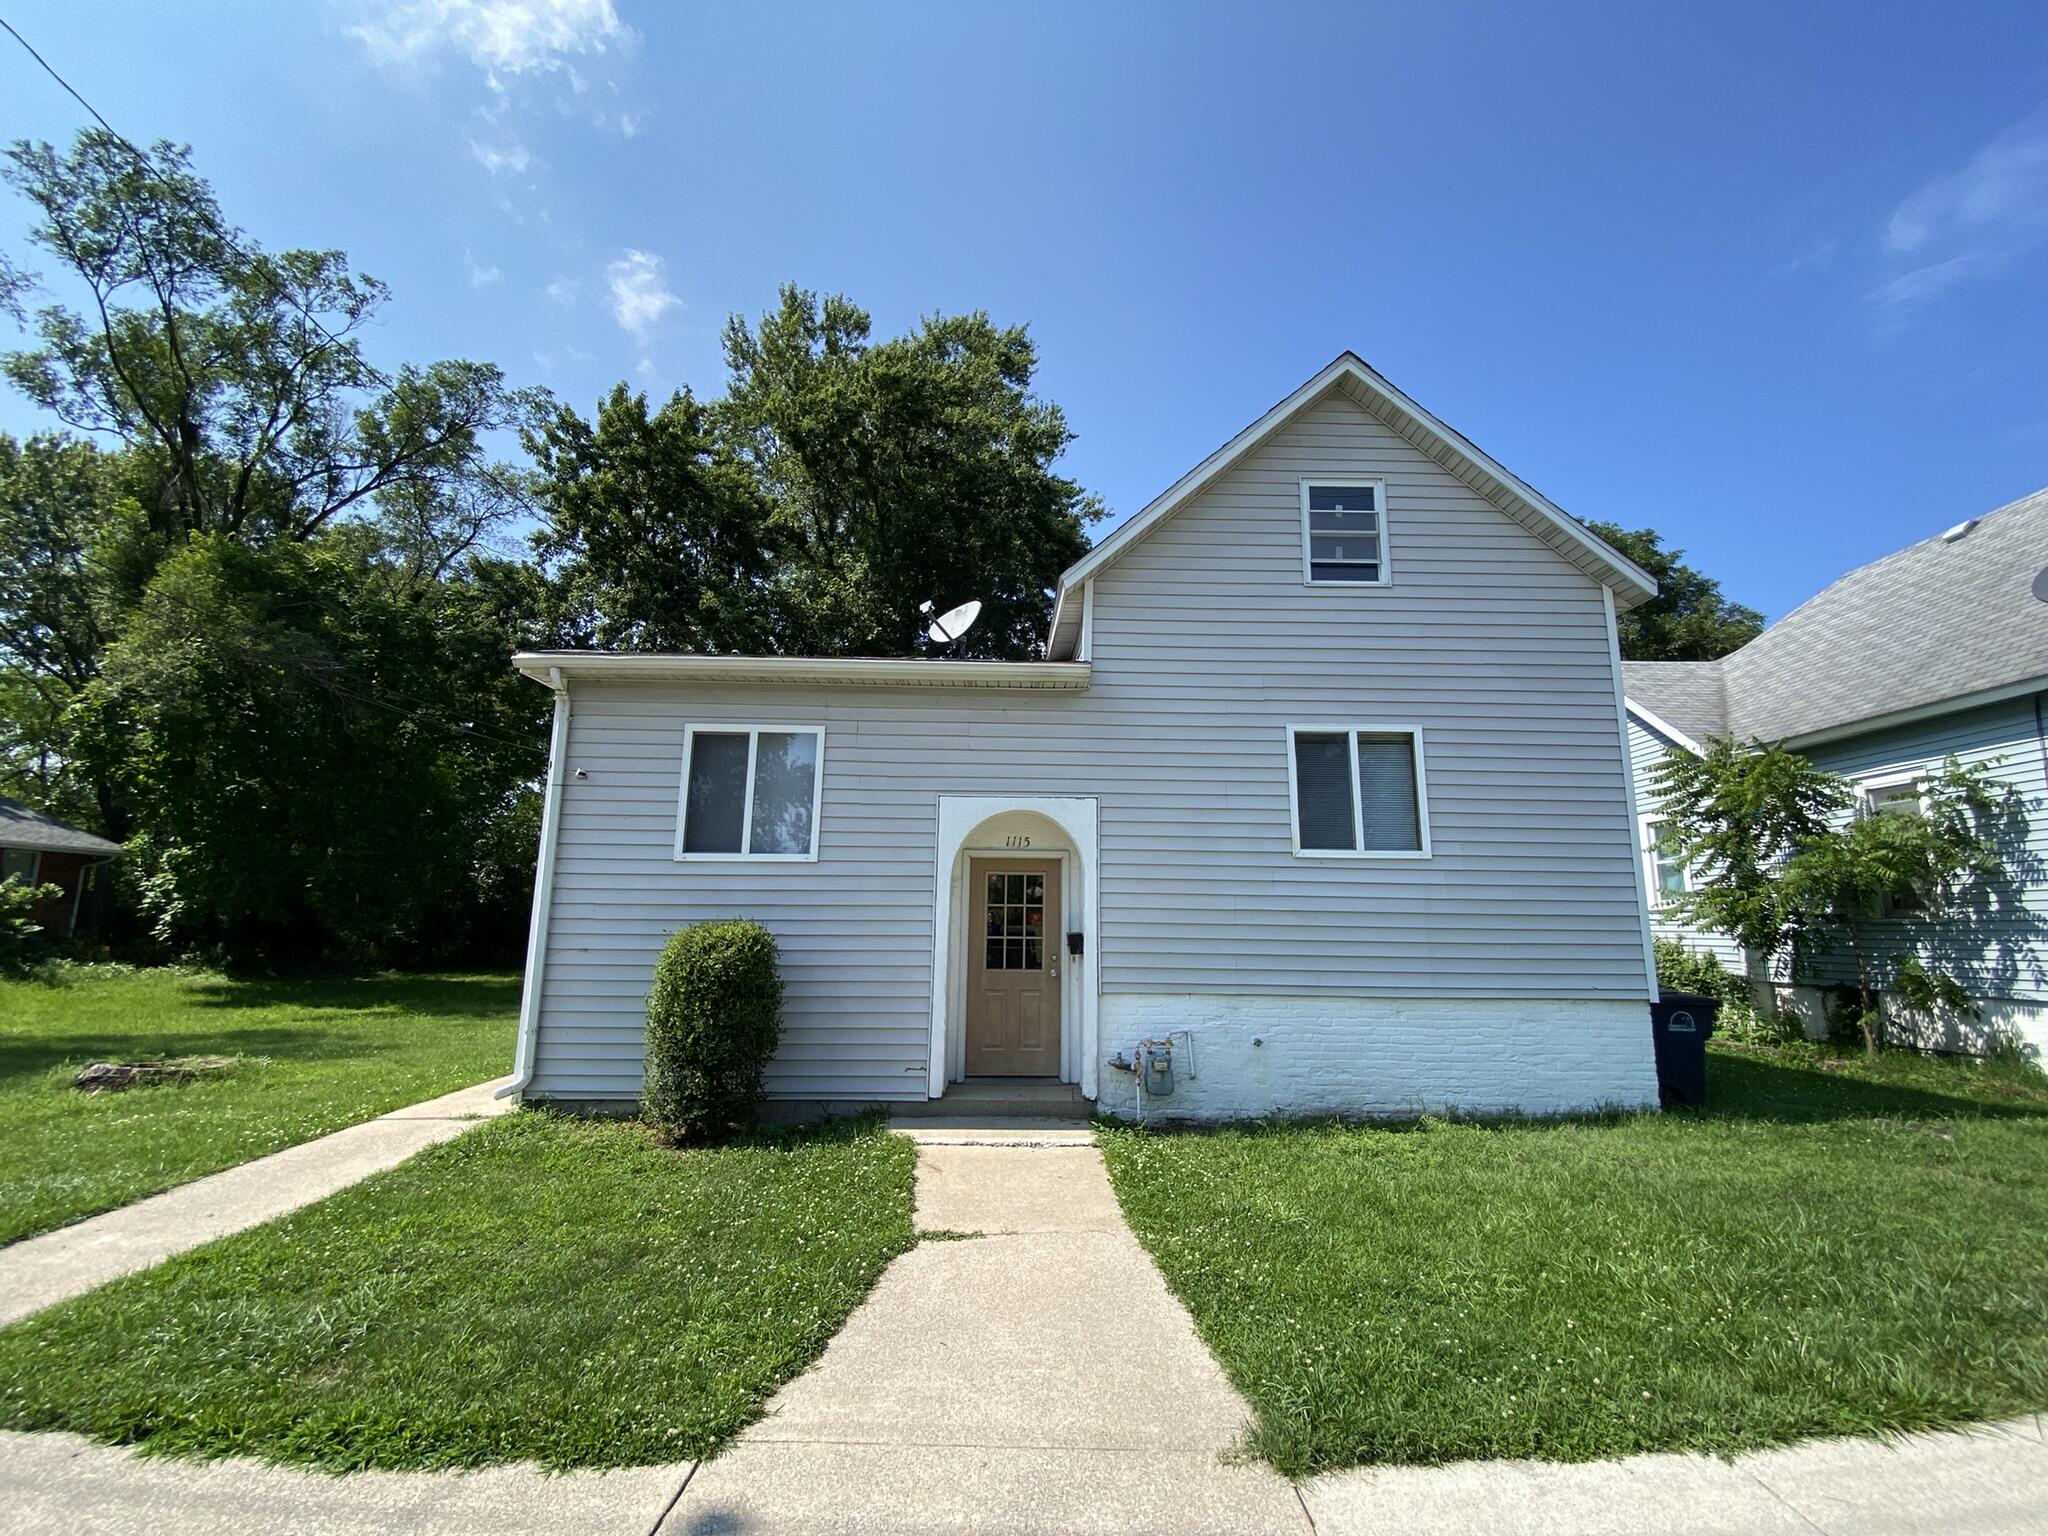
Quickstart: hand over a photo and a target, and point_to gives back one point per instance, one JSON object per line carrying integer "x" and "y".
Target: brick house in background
{"x": 41, "y": 850}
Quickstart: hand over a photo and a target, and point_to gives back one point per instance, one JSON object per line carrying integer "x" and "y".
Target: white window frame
{"x": 1915, "y": 779}
{"x": 1379, "y": 503}
{"x": 1867, "y": 791}
{"x": 1414, "y": 734}
{"x": 1647, "y": 825}
{"x": 753, "y": 735}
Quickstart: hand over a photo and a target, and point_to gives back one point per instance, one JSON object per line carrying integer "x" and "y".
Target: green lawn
{"x": 1834, "y": 1248}
{"x": 541, "y": 1287}
{"x": 322, "y": 1055}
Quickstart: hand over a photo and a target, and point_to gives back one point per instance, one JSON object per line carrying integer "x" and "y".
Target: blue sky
{"x": 1772, "y": 279}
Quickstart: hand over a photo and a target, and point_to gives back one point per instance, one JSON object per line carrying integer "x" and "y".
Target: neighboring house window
{"x": 1669, "y": 876}
{"x": 1343, "y": 531}
{"x": 750, "y": 792}
{"x": 1897, "y": 797}
{"x": 1358, "y": 791}
{"x": 19, "y": 864}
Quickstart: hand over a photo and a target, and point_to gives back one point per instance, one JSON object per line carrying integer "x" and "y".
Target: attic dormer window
{"x": 1343, "y": 532}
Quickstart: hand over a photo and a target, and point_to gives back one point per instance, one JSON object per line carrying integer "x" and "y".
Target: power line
{"x": 142, "y": 160}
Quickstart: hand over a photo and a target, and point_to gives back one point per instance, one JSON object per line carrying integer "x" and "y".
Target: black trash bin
{"x": 1679, "y": 1025}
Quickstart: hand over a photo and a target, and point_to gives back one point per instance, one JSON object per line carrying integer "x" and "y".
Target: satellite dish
{"x": 953, "y": 623}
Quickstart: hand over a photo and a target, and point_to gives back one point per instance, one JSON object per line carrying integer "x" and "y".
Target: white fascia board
{"x": 1626, "y": 574}
{"x": 1665, "y": 728}
{"x": 851, "y": 671}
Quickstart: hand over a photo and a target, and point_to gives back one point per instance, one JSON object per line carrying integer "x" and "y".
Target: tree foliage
{"x": 838, "y": 484}
{"x": 249, "y": 628}
{"x": 1735, "y": 814}
{"x": 1689, "y": 619}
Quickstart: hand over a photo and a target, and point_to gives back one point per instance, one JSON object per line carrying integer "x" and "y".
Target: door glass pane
{"x": 1034, "y": 954}
{"x": 1386, "y": 788}
{"x": 785, "y": 775}
{"x": 1014, "y": 958}
{"x": 1016, "y": 888}
{"x": 1322, "y": 790}
{"x": 995, "y": 888}
{"x": 715, "y": 806}
{"x": 994, "y": 958}
{"x": 1034, "y": 888}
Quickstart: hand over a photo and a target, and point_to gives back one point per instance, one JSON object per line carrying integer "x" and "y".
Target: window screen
{"x": 1344, "y": 533}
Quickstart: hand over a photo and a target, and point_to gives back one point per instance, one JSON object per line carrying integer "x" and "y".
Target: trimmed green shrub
{"x": 712, "y": 1024}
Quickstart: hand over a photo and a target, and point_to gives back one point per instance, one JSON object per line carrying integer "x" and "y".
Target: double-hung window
{"x": 19, "y": 864}
{"x": 1901, "y": 795}
{"x": 1343, "y": 532}
{"x": 750, "y": 792}
{"x": 1358, "y": 791}
{"x": 1669, "y": 876}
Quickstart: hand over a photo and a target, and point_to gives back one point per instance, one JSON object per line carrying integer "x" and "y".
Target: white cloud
{"x": 512, "y": 158}
{"x": 481, "y": 274}
{"x": 562, "y": 291}
{"x": 1973, "y": 222}
{"x": 503, "y": 39}
{"x": 1930, "y": 281}
{"x": 640, "y": 294}
{"x": 1815, "y": 258}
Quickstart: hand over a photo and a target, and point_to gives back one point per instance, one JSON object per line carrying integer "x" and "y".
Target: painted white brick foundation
{"x": 1295, "y": 1056}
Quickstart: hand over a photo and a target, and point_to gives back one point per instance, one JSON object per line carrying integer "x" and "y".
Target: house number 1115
{"x": 1017, "y": 840}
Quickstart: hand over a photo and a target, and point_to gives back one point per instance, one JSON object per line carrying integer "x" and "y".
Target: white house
{"x": 1320, "y": 798}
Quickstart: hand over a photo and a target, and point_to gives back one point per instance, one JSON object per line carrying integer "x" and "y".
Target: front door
{"x": 1013, "y": 970}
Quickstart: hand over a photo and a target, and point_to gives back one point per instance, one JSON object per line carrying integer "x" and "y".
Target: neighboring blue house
{"x": 1939, "y": 649}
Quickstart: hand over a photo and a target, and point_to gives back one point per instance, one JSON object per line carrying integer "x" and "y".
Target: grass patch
{"x": 1834, "y": 1247}
{"x": 541, "y": 1288}
{"x": 321, "y": 1055}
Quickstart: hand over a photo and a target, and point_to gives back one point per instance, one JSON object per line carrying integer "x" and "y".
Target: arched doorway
{"x": 1016, "y": 898}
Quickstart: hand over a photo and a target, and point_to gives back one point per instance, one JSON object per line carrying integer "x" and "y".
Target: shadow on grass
{"x": 468, "y": 997}
{"x": 33, "y": 1057}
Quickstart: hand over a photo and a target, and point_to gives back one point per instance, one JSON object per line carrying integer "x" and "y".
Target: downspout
{"x": 543, "y": 892}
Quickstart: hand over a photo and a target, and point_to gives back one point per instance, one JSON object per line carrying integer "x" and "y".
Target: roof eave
{"x": 810, "y": 671}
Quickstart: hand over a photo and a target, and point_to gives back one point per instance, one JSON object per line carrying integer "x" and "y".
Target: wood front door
{"x": 1013, "y": 969}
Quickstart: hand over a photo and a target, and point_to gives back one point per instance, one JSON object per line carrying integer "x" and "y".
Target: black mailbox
{"x": 1074, "y": 944}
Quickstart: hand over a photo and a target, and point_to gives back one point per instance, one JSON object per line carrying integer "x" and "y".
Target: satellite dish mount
{"x": 946, "y": 630}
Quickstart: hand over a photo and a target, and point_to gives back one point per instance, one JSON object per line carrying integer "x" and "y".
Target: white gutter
{"x": 543, "y": 892}
{"x": 882, "y": 672}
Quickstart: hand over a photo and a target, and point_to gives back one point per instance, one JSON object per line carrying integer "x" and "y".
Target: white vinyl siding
{"x": 1206, "y": 646}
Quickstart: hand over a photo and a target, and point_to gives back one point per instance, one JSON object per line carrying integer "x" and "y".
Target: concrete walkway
{"x": 40, "y": 1271}
{"x": 1037, "y": 1376}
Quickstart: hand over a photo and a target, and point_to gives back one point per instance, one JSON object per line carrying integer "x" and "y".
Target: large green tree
{"x": 254, "y": 632}
{"x": 838, "y": 485}
{"x": 1689, "y": 619}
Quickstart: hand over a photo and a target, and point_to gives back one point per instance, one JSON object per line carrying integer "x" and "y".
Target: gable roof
{"x": 1952, "y": 618}
{"x": 21, "y": 827}
{"x": 1366, "y": 387}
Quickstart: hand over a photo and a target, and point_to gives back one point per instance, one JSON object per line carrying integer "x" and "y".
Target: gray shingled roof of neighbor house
{"x": 21, "y": 827}
{"x": 1943, "y": 619}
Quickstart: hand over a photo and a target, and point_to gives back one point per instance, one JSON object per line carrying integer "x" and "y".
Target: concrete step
{"x": 987, "y": 1099}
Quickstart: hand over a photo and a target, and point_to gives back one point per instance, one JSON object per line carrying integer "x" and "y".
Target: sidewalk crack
{"x": 673, "y": 1500}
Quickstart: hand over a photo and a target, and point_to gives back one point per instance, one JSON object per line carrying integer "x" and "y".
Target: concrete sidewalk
{"x": 1036, "y": 1376}
{"x": 40, "y": 1271}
